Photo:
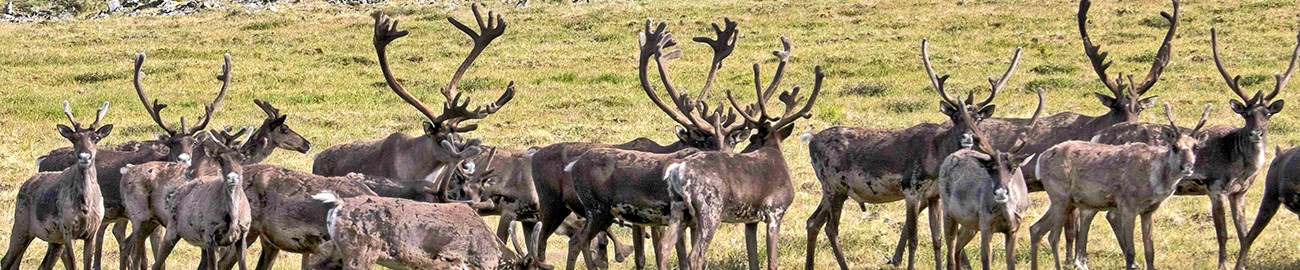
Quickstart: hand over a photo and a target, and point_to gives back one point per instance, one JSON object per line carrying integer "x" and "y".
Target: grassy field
{"x": 576, "y": 74}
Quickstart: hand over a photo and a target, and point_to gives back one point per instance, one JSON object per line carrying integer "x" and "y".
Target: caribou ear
{"x": 1237, "y": 107}
{"x": 429, "y": 128}
{"x": 103, "y": 131}
{"x": 66, "y": 131}
{"x": 1276, "y": 107}
{"x": 279, "y": 121}
{"x": 1145, "y": 103}
{"x": 947, "y": 109}
{"x": 785, "y": 131}
{"x": 1105, "y": 100}
{"x": 1022, "y": 160}
{"x": 987, "y": 111}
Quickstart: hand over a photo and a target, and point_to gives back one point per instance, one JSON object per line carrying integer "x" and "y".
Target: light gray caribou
{"x": 405, "y": 234}
{"x": 982, "y": 190}
{"x": 1127, "y": 180}
{"x": 1232, "y": 156}
{"x": 284, "y": 217}
{"x": 210, "y": 212}
{"x": 62, "y": 207}
{"x": 882, "y": 166}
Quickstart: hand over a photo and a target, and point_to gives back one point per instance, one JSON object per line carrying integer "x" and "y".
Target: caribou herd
{"x": 415, "y": 201}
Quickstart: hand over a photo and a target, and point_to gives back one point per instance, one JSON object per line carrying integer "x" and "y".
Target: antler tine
{"x": 1094, "y": 53}
{"x": 1033, "y": 121}
{"x": 492, "y": 155}
{"x": 1218, "y": 63}
{"x": 495, "y": 27}
{"x": 1169, "y": 114}
{"x": 1162, "y": 55}
{"x": 1284, "y": 77}
{"x": 652, "y": 44}
{"x": 743, "y": 112}
{"x": 386, "y": 30}
{"x": 758, "y": 94}
{"x": 454, "y": 113}
{"x": 99, "y": 115}
{"x": 1205, "y": 115}
{"x": 998, "y": 83}
{"x": 67, "y": 110}
{"x": 270, "y": 111}
{"x": 784, "y": 57}
{"x": 216, "y": 103}
{"x": 722, "y": 47}
{"x": 936, "y": 81}
{"x": 812, "y": 98}
{"x": 156, "y": 107}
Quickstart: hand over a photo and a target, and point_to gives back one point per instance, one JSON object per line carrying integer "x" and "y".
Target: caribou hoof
{"x": 620, "y": 253}
{"x": 893, "y": 262}
{"x": 543, "y": 266}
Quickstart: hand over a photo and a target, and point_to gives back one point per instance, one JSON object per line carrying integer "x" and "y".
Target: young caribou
{"x": 881, "y": 166}
{"x": 1127, "y": 180}
{"x": 62, "y": 207}
{"x": 983, "y": 191}
{"x": 210, "y": 212}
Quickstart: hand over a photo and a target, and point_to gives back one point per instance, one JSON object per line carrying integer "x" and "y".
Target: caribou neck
{"x": 78, "y": 180}
{"x": 257, "y": 148}
{"x": 1250, "y": 154}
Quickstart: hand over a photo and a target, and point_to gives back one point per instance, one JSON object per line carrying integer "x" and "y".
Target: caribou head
{"x": 276, "y": 132}
{"x": 955, "y": 109}
{"x": 1258, "y": 108}
{"x": 180, "y": 142}
{"x": 84, "y": 139}
{"x": 1125, "y": 100}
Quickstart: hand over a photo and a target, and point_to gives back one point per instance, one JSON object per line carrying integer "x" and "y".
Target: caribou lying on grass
{"x": 405, "y": 157}
{"x": 554, "y": 183}
{"x": 1231, "y": 158}
{"x": 406, "y": 234}
{"x": 65, "y": 206}
{"x": 879, "y": 166}
{"x": 210, "y": 212}
{"x": 1127, "y": 180}
{"x": 982, "y": 190}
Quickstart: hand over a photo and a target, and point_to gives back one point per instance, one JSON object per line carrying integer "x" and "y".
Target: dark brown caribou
{"x": 405, "y": 157}
{"x": 1231, "y": 158}
{"x": 554, "y": 185}
{"x": 882, "y": 166}
{"x": 1280, "y": 188}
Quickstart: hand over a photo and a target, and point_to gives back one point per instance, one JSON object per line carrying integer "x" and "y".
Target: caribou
{"x": 881, "y": 166}
{"x": 1280, "y": 187}
{"x": 748, "y": 187}
{"x": 65, "y": 206}
{"x": 554, "y": 183}
{"x": 406, "y": 234}
{"x": 1128, "y": 180}
{"x": 1232, "y": 156}
{"x": 284, "y": 217}
{"x": 209, "y": 211}
{"x": 405, "y": 157}
{"x": 982, "y": 190}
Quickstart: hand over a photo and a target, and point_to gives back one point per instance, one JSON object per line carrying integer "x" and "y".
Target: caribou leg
{"x": 936, "y": 232}
{"x": 986, "y": 236}
{"x": 1122, "y": 224}
{"x": 596, "y": 221}
{"x": 18, "y": 242}
{"x": 1049, "y": 222}
{"x": 1267, "y": 208}
{"x": 1010, "y": 244}
{"x": 773, "y": 237}
{"x": 950, "y": 241}
{"x": 552, "y": 214}
{"x": 53, "y": 253}
{"x": 1148, "y": 245}
{"x": 1237, "y": 202}
{"x": 70, "y": 255}
{"x": 1217, "y": 199}
{"x": 269, "y": 252}
{"x": 909, "y": 230}
{"x": 827, "y": 215}
{"x": 751, "y": 244}
{"x": 638, "y": 240}
{"x": 706, "y": 223}
{"x": 1081, "y": 238}
{"x": 1072, "y": 226}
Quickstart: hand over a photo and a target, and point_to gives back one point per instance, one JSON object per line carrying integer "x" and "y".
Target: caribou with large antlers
{"x": 1128, "y": 180}
{"x": 880, "y": 166}
{"x": 62, "y": 207}
{"x": 1232, "y": 156}
{"x": 555, "y": 190}
{"x": 405, "y": 157}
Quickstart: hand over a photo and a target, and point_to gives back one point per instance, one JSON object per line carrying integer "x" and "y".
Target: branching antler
{"x": 1100, "y": 64}
{"x": 996, "y": 84}
{"x": 936, "y": 81}
{"x": 271, "y": 111}
{"x": 790, "y": 99}
{"x": 99, "y": 115}
{"x": 230, "y": 137}
{"x": 1233, "y": 81}
{"x": 454, "y": 109}
{"x": 722, "y": 47}
{"x": 691, "y": 113}
{"x": 155, "y": 108}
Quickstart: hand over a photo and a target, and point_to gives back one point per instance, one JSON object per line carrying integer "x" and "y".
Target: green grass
{"x": 576, "y": 74}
